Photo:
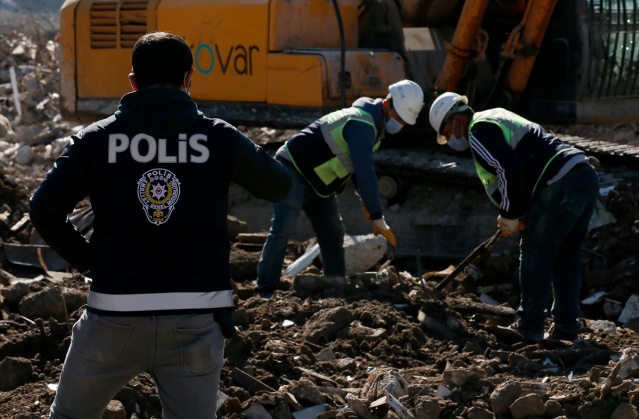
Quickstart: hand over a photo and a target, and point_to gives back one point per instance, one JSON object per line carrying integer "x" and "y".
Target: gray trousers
{"x": 183, "y": 353}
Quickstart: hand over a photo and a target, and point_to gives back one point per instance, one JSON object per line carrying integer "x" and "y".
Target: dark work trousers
{"x": 550, "y": 259}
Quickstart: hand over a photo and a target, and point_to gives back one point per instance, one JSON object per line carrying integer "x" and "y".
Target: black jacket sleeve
{"x": 259, "y": 173}
{"x": 495, "y": 155}
{"x": 66, "y": 184}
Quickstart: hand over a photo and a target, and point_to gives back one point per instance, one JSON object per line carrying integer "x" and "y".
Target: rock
{"x": 390, "y": 381}
{"x": 479, "y": 413}
{"x": 24, "y": 155}
{"x": 503, "y": 396}
{"x": 44, "y": 305}
{"x": 114, "y": 410}
{"x": 243, "y": 264}
{"x": 305, "y": 391}
{"x": 361, "y": 333}
{"x": 310, "y": 284}
{"x": 554, "y": 409}
{"x": 346, "y": 364}
{"x": 625, "y": 411}
{"x": 326, "y": 354}
{"x": 427, "y": 408}
{"x": 324, "y": 325}
{"x": 15, "y": 292}
{"x": 358, "y": 406}
{"x": 362, "y": 252}
{"x": 74, "y": 299}
{"x": 14, "y": 371}
{"x": 527, "y": 406}
{"x": 5, "y": 127}
{"x": 456, "y": 377}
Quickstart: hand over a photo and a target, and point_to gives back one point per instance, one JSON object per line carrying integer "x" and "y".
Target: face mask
{"x": 458, "y": 143}
{"x": 392, "y": 126}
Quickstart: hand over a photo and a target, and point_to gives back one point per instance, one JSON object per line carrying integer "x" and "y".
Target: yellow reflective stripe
{"x": 302, "y": 174}
{"x": 332, "y": 126}
{"x": 331, "y": 170}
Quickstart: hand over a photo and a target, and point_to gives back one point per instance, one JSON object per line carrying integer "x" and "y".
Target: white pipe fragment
{"x": 14, "y": 86}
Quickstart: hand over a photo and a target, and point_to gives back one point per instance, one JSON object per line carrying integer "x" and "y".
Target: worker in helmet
{"x": 531, "y": 175}
{"x": 321, "y": 159}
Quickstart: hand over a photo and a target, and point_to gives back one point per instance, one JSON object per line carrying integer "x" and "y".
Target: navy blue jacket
{"x": 157, "y": 174}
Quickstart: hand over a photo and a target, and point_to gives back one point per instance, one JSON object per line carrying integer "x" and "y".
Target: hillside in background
{"x": 30, "y": 16}
{"x": 27, "y": 6}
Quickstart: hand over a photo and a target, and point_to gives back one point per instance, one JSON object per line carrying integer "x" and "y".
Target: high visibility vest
{"x": 514, "y": 128}
{"x": 337, "y": 169}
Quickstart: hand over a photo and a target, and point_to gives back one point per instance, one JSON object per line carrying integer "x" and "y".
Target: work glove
{"x": 380, "y": 227}
{"x": 508, "y": 226}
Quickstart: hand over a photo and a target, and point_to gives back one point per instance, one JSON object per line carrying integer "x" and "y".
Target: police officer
{"x": 157, "y": 173}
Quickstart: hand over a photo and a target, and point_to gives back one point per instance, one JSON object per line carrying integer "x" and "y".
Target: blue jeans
{"x": 183, "y": 353}
{"x": 550, "y": 249}
{"x": 325, "y": 219}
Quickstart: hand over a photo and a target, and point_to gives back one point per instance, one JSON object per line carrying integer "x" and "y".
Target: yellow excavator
{"x": 283, "y": 63}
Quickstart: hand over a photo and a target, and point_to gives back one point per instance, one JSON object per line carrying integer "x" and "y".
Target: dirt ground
{"x": 384, "y": 345}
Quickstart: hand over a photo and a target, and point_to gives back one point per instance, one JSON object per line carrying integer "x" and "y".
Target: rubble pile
{"x": 382, "y": 344}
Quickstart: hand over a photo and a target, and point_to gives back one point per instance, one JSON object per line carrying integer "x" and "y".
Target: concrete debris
{"x": 630, "y": 310}
{"x": 310, "y": 413}
{"x": 504, "y": 396}
{"x": 31, "y": 139}
{"x": 322, "y": 348}
{"x": 311, "y": 252}
{"x": 362, "y": 252}
{"x": 398, "y": 407}
{"x": 256, "y": 411}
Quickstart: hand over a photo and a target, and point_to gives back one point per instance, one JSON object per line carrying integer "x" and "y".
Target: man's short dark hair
{"x": 161, "y": 58}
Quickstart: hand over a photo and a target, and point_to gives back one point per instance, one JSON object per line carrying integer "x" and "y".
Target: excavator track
{"x": 441, "y": 164}
{"x": 610, "y": 154}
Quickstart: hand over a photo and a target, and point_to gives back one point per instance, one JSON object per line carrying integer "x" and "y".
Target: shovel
{"x": 480, "y": 251}
{"x": 390, "y": 259}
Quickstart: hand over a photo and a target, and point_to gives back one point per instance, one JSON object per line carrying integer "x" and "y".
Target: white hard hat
{"x": 440, "y": 108}
{"x": 408, "y": 100}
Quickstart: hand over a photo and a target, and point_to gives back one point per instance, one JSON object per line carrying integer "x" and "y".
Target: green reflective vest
{"x": 514, "y": 128}
{"x": 338, "y": 168}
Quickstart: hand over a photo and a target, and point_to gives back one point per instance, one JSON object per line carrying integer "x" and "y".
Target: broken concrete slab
{"x": 362, "y": 252}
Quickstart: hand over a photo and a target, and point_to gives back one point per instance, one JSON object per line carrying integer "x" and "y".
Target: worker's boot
{"x": 266, "y": 292}
{"x": 528, "y": 332}
{"x": 556, "y": 333}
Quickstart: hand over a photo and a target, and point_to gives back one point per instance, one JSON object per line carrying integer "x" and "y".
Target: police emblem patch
{"x": 158, "y": 191}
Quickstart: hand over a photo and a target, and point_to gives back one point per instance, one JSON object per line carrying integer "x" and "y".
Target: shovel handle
{"x": 469, "y": 259}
